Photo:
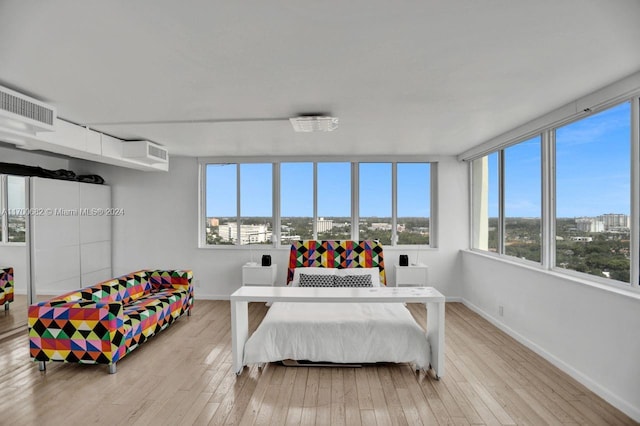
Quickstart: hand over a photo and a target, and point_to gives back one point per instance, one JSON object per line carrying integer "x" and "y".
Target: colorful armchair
{"x": 6, "y": 287}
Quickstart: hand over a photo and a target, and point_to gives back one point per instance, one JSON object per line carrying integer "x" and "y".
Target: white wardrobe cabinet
{"x": 70, "y": 235}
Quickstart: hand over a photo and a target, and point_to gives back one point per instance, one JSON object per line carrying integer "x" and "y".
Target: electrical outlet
{"x": 501, "y": 310}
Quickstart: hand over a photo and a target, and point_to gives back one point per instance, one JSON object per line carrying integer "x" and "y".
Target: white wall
{"x": 590, "y": 333}
{"x": 159, "y": 228}
{"x": 16, "y": 255}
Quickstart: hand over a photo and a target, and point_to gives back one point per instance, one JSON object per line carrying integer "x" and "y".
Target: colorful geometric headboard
{"x": 336, "y": 254}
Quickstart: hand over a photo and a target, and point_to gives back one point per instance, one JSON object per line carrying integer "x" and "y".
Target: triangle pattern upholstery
{"x": 6, "y": 285}
{"x": 102, "y": 323}
{"x": 336, "y": 254}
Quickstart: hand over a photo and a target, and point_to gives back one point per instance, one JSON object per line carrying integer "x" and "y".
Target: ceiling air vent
{"x": 145, "y": 152}
{"x": 24, "y": 114}
{"x": 155, "y": 151}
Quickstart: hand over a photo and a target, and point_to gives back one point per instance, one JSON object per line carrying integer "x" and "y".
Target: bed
{"x": 345, "y": 333}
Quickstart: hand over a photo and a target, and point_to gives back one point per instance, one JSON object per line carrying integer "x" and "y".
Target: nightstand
{"x": 414, "y": 275}
{"x": 259, "y": 275}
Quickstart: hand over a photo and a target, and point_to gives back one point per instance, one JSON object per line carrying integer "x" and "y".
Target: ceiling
{"x": 424, "y": 77}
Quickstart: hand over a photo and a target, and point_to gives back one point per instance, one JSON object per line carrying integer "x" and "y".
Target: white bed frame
{"x": 432, "y": 298}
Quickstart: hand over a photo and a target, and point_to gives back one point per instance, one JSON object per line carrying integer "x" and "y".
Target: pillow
{"x": 309, "y": 270}
{"x": 353, "y": 281}
{"x": 373, "y": 272}
{"x": 316, "y": 280}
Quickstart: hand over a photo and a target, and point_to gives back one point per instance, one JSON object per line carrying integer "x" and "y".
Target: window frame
{"x": 4, "y": 211}
{"x": 547, "y": 136}
{"x": 501, "y": 231}
{"x": 353, "y": 208}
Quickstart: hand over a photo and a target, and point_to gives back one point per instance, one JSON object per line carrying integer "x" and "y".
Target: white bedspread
{"x": 338, "y": 332}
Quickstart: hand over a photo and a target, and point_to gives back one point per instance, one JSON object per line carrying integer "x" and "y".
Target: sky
{"x": 334, "y": 189}
{"x": 592, "y": 175}
{"x": 593, "y": 164}
{"x": 592, "y": 169}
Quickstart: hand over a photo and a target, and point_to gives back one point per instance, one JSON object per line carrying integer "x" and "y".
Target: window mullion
{"x": 315, "y": 202}
{"x": 3, "y": 206}
{"x": 238, "y": 207}
{"x": 202, "y": 202}
{"x": 276, "y": 219}
{"x": 501, "y": 221}
{"x": 547, "y": 242}
{"x": 394, "y": 203}
{"x": 355, "y": 202}
{"x": 635, "y": 198}
{"x": 433, "y": 205}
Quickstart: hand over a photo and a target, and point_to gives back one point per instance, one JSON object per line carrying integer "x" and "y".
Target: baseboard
{"x": 211, "y": 296}
{"x": 602, "y": 392}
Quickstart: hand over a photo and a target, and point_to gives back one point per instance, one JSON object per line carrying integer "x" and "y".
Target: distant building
{"x": 582, "y": 239}
{"x": 381, "y": 226}
{"x": 610, "y": 222}
{"x": 249, "y": 234}
{"x": 324, "y": 225}
{"x": 213, "y": 221}
{"x": 589, "y": 224}
{"x": 614, "y": 220}
{"x": 287, "y": 238}
{"x": 342, "y": 225}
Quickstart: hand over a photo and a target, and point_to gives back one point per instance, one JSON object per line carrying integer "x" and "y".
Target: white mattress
{"x": 338, "y": 332}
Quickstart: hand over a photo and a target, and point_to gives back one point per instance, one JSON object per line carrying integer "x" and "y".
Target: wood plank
{"x": 352, "y": 409}
{"x": 296, "y": 404}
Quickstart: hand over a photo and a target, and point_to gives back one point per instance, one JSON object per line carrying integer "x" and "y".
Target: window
{"x": 334, "y": 201}
{"x": 523, "y": 200}
{"x": 13, "y": 203}
{"x": 485, "y": 203}
{"x": 410, "y": 223}
{"x": 375, "y": 202}
{"x": 593, "y": 203}
{"x": 296, "y": 202}
{"x": 256, "y": 203}
{"x": 413, "y": 203}
{"x": 221, "y": 204}
{"x": 507, "y": 201}
{"x": 585, "y": 178}
{"x": 316, "y": 201}
{"x": 229, "y": 222}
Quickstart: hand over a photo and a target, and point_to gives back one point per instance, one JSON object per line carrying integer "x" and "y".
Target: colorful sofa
{"x": 103, "y": 323}
{"x": 6, "y": 287}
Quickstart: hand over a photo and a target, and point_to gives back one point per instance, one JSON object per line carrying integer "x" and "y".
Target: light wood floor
{"x": 183, "y": 376}
{"x": 15, "y": 317}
